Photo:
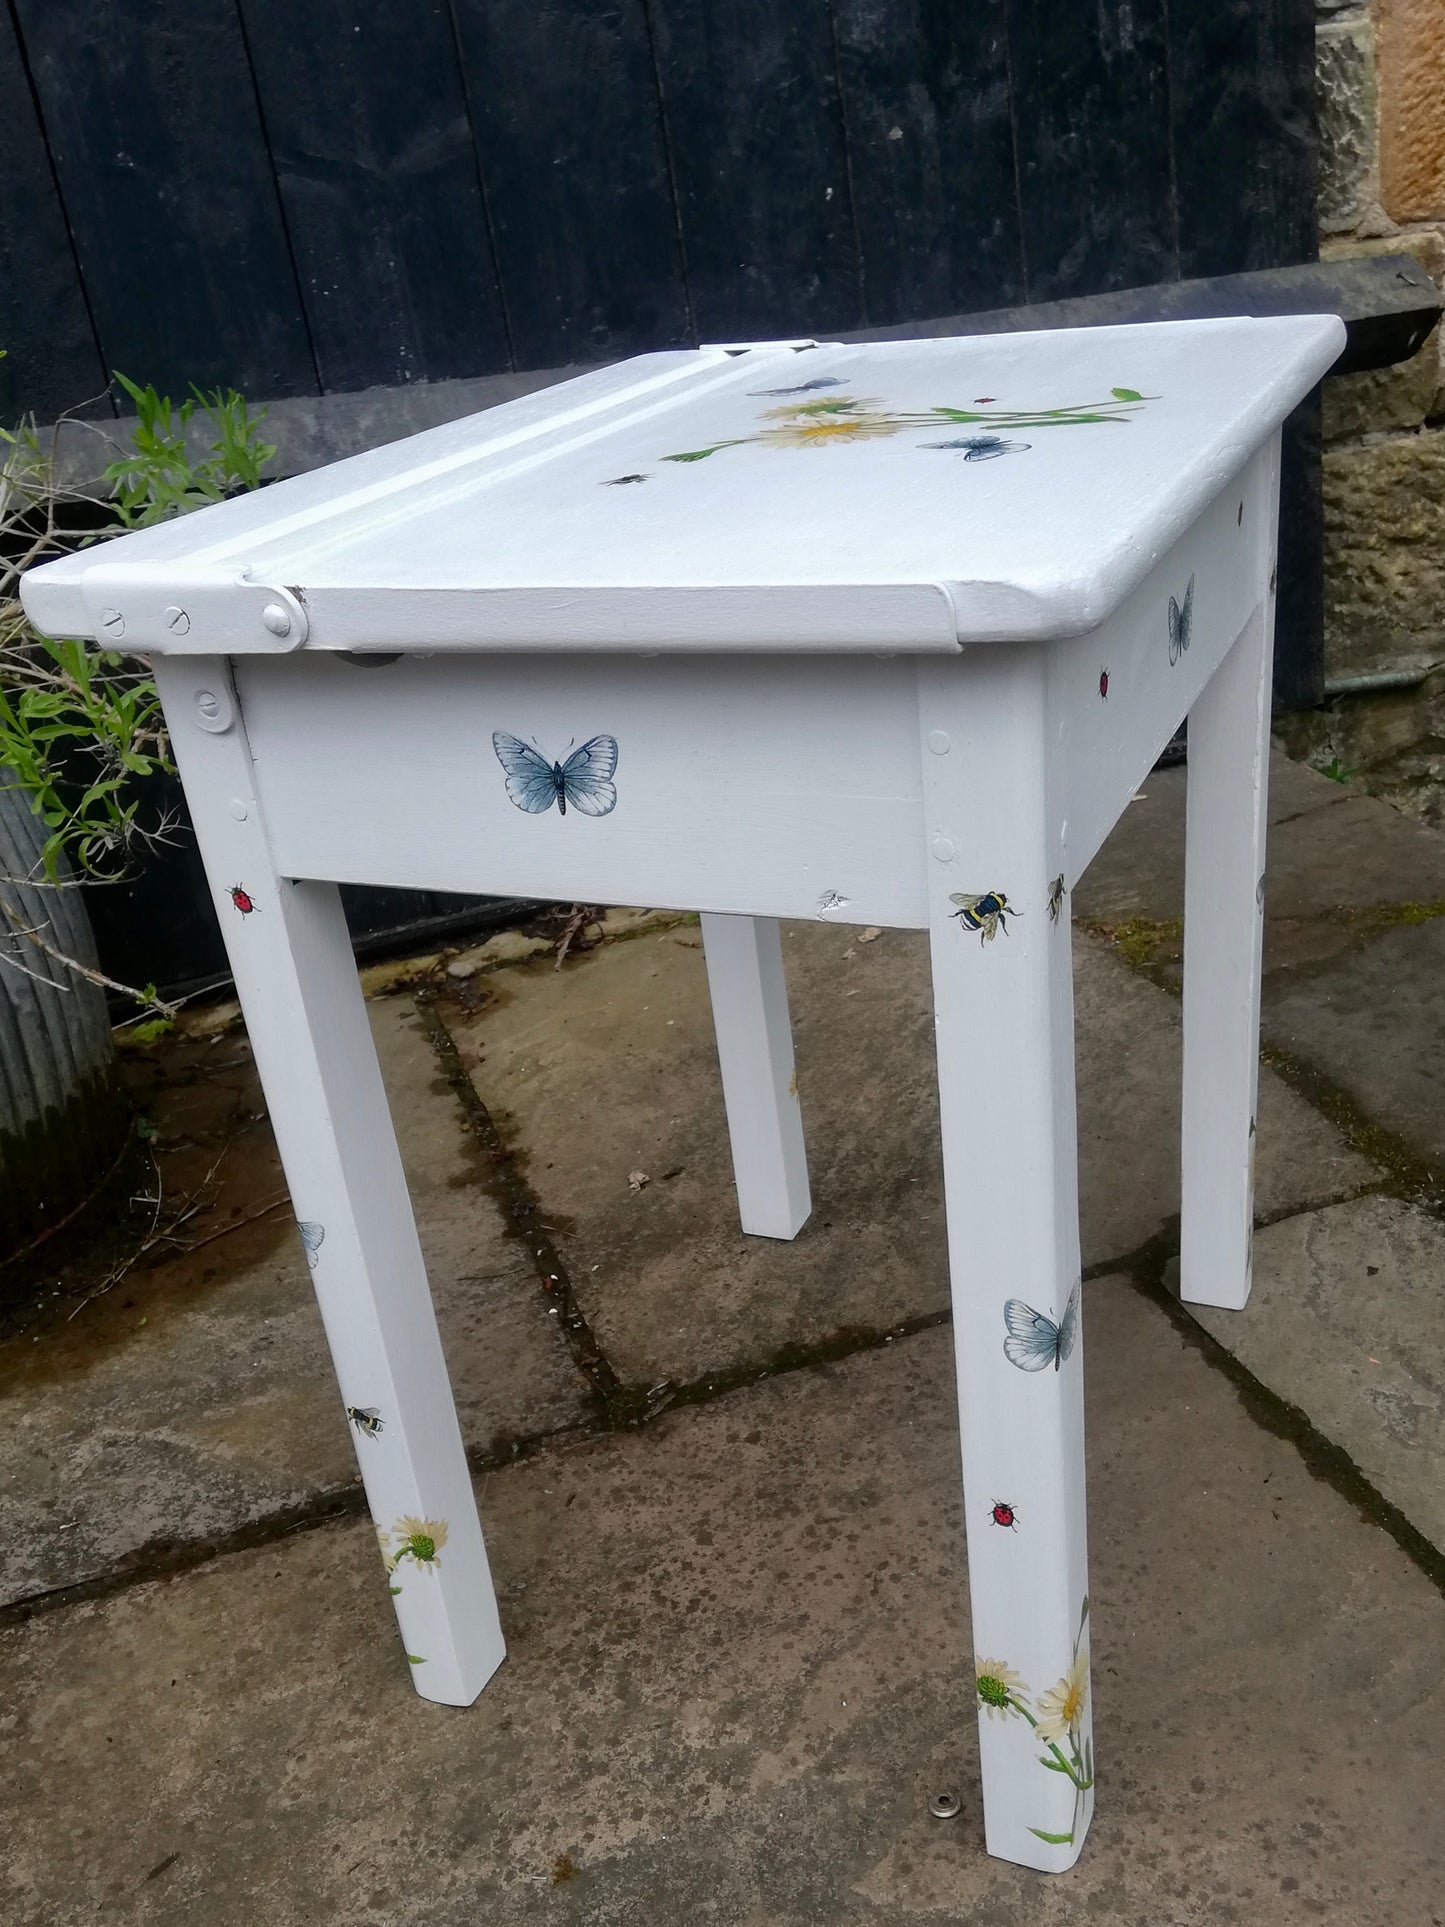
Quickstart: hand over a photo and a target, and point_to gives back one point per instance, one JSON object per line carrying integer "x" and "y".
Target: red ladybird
{"x": 1104, "y": 684}
{"x": 1004, "y": 1515}
{"x": 241, "y": 900}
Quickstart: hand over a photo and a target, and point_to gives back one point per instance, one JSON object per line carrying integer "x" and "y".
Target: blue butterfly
{"x": 1035, "y": 1342}
{"x": 584, "y": 780}
{"x": 983, "y": 448}
{"x": 1181, "y": 622}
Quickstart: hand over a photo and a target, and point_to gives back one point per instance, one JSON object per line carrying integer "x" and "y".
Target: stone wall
{"x": 1380, "y": 68}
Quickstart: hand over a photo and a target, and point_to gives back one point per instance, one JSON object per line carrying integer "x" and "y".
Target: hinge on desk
{"x": 192, "y": 612}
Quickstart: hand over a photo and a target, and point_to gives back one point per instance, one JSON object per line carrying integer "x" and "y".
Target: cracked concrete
{"x": 738, "y": 1634}
{"x": 738, "y": 1670}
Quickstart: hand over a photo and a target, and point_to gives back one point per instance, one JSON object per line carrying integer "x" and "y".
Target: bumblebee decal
{"x": 987, "y": 914}
{"x": 1056, "y": 897}
{"x": 366, "y": 1419}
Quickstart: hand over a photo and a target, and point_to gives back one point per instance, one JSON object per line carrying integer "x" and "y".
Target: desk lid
{"x": 902, "y": 495}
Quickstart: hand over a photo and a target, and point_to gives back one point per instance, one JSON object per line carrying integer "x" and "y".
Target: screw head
{"x": 944, "y": 849}
{"x": 113, "y": 622}
{"x": 276, "y": 619}
{"x": 177, "y": 621}
{"x": 945, "y": 1806}
{"x": 938, "y": 742}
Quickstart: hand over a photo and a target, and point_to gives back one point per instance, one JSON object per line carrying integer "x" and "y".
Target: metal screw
{"x": 945, "y": 1806}
{"x": 177, "y": 621}
{"x": 113, "y": 622}
{"x": 276, "y": 619}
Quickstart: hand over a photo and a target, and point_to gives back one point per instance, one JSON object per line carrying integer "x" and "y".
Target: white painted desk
{"x": 882, "y": 634}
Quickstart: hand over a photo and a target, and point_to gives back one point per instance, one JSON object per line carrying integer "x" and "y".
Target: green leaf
{"x": 153, "y": 1028}
{"x": 1054, "y": 1766}
{"x": 694, "y": 455}
{"x": 1126, "y": 394}
{"x": 414, "y": 1659}
{"x": 1054, "y": 1839}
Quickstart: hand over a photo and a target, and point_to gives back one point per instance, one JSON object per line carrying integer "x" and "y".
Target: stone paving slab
{"x": 1344, "y": 1322}
{"x": 1331, "y": 854}
{"x": 221, "y": 1407}
{"x": 739, "y": 1667}
{"x": 1373, "y": 1023}
{"x": 609, "y": 1068}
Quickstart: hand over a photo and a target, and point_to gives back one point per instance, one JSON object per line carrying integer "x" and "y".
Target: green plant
{"x": 156, "y": 478}
{"x": 79, "y": 725}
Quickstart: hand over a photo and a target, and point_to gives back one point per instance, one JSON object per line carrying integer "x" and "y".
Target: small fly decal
{"x": 983, "y": 448}
{"x": 366, "y": 1419}
{"x": 1259, "y": 892}
{"x": 980, "y": 400}
{"x": 1181, "y": 624}
{"x": 312, "y": 1235}
{"x": 987, "y": 914}
{"x": 241, "y": 898}
{"x": 1104, "y": 684}
{"x": 1035, "y": 1342}
{"x": 617, "y": 481}
{"x": 1004, "y": 1514}
{"x": 1056, "y": 897}
{"x": 1239, "y": 519}
{"x": 803, "y": 387}
{"x": 584, "y": 780}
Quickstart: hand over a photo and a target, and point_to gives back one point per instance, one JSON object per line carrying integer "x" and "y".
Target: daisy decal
{"x": 1000, "y": 1690}
{"x": 419, "y": 1540}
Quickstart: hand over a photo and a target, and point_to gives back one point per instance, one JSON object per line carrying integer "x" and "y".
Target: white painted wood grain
{"x": 1003, "y": 1011}
{"x": 296, "y": 979}
{"x": 530, "y": 519}
{"x": 1224, "y": 882}
{"x": 755, "y": 1051}
{"x": 744, "y": 785}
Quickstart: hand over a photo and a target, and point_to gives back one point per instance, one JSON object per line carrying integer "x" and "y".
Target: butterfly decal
{"x": 1035, "y": 1342}
{"x": 803, "y": 387}
{"x": 584, "y": 780}
{"x": 1181, "y": 623}
{"x": 311, "y": 1237}
{"x": 983, "y": 448}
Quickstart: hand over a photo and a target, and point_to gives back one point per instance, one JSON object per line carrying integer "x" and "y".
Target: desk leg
{"x": 1003, "y": 1015}
{"x": 755, "y": 1048}
{"x": 296, "y": 979}
{"x": 1223, "y": 934}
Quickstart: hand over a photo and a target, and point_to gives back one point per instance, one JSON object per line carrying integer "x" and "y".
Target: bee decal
{"x": 1104, "y": 684}
{"x": 241, "y": 899}
{"x": 1056, "y": 897}
{"x": 1003, "y": 1514}
{"x": 987, "y": 914}
{"x": 366, "y": 1419}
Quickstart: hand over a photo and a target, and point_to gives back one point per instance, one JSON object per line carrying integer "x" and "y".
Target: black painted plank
{"x": 1241, "y": 79}
{"x": 372, "y": 148}
{"x": 925, "y": 91}
{"x": 1091, "y": 116}
{"x": 755, "y": 132}
{"x": 151, "y": 116}
{"x": 1299, "y": 631}
{"x": 563, "y": 100}
{"x": 1387, "y": 302}
{"x": 51, "y": 361}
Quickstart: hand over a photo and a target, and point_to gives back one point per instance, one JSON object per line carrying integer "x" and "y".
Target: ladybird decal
{"x": 1056, "y": 897}
{"x": 241, "y": 898}
{"x": 1104, "y": 685}
{"x": 1003, "y": 1514}
{"x": 987, "y": 914}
